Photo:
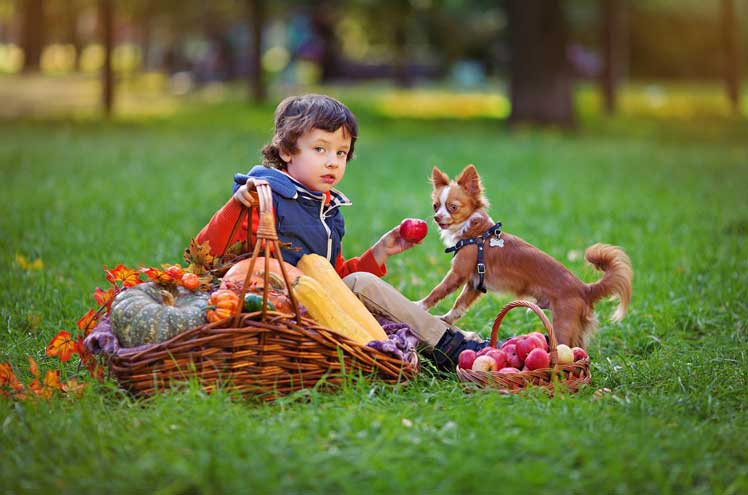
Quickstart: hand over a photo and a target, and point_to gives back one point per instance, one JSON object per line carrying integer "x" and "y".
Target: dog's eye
{"x": 452, "y": 207}
{"x": 436, "y": 206}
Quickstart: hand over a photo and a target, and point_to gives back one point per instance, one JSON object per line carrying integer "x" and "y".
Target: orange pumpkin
{"x": 222, "y": 304}
{"x": 235, "y": 276}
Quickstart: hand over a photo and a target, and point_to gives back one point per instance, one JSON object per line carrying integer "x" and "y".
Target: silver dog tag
{"x": 493, "y": 242}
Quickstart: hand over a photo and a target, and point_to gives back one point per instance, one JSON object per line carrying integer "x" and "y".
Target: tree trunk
{"x": 258, "y": 90}
{"x": 540, "y": 84}
{"x": 731, "y": 59}
{"x": 614, "y": 43}
{"x": 71, "y": 21}
{"x": 401, "y": 72}
{"x": 32, "y": 34}
{"x": 106, "y": 24}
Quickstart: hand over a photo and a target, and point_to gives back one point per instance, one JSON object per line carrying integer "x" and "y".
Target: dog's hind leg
{"x": 567, "y": 323}
{"x": 466, "y": 298}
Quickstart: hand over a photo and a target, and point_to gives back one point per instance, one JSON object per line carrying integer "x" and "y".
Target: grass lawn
{"x": 80, "y": 194}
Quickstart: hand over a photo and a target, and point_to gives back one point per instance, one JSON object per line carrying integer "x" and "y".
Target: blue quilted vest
{"x": 302, "y": 218}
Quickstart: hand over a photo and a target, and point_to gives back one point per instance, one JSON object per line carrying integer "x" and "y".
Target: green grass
{"x": 83, "y": 194}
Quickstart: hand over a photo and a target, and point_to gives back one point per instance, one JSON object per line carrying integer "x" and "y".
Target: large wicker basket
{"x": 266, "y": 354}
{"x": 567, "y": 376}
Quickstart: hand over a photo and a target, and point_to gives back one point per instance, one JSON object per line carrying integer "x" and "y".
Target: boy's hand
{"x": 389, "y": 244}
{"x": 247, "y": 195}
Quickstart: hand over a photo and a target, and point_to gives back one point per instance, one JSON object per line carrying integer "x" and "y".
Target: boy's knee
{"x": 359, "y": 281}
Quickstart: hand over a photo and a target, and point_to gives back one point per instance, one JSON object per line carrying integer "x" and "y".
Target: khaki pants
{"x": 380, "y": 298}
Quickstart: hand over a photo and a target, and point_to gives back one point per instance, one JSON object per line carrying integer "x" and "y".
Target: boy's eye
{"x": 342, "y": 153}
{"x": 319, "y": 149}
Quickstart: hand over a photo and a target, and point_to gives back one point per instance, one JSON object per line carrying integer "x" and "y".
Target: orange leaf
{"x": 33, "y": 367}
{"x": 88, "y": 321}
{"x": 158, "y": 276}
{"x": 8, "y": 379}
{"x": 62, "y": 345}
{"x": 73, "y": 387}
{"x": 121, "y": 273}
{"x": 104, "y": 298}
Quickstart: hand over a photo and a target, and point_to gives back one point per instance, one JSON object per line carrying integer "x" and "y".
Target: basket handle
{"x": 536, "y": 309}
{"x": 267, "y": 240}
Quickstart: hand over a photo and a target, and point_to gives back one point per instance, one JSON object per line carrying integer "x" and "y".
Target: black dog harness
{"x": 495, "y": 230}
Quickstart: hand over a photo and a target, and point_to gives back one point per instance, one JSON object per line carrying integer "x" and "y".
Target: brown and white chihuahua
{"x": 515, "y": 266}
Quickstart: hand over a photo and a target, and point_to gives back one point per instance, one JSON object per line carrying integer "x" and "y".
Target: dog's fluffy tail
{"x": 617, "y": 279}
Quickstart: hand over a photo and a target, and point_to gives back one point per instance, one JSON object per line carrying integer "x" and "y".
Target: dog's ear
{"x": 439, "y": 178}
{"x": 469, "y": 180}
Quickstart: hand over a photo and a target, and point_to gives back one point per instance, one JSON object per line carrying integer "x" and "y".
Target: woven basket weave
{"x": 568, "y": 376}
{"x": 267, "y": 353}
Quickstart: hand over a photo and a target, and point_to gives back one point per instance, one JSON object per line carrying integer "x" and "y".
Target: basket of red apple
{"x": 525, "y": 360}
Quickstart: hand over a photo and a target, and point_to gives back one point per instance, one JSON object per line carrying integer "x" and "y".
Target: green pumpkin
{"x": 148, "y": 313}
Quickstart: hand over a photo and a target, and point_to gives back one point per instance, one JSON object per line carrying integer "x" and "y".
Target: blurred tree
{"x": 732, "y": 60}
{"x": 256, "y": 21}
{"x": 106, "y": 30}
{"x": 32, "y": 33}
{"x": 613, "y": 47}
{"x": 540, "y": 83}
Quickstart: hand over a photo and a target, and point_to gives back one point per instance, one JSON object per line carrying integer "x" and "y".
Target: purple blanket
{"x": 401, "y": 341}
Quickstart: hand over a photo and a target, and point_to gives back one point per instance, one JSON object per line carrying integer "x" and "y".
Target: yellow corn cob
{"x": 326, "y": 312}
{"x": 322, "y": 271}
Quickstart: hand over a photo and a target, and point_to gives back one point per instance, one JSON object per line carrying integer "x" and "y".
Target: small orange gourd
{"x": 222, "y": 304}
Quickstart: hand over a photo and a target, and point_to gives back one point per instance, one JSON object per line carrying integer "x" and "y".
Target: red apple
{"x": 537, "y": 358}
{"x": 512, "y": 359}
{"x": 579, "y": 353}
{"x": 565, "y": 354}
{"x": 511, "y": 341}
{"x": 508, "y": 370}
{"x": 541, "y": 339}
{"x": 484, "y": 363}
{"x": 466, "y": 359}
{"x": 499, "y": 356}
{"x": 485, "y": 351}
{"x": 525, "y": 345}
{"x": 413, "y": 229}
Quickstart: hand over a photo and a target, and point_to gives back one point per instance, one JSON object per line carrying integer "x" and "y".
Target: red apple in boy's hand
{"x": 466, "y": 359}
{"x": 579, "y": 353}
{"x": 413, "y": 229}
{"x": 537, "y": 358}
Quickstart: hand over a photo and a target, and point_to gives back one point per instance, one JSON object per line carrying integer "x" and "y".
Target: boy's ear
{"x": 439, "y": 178}
{"x": 284, "y": 154}
{"x": 469, "y": 180}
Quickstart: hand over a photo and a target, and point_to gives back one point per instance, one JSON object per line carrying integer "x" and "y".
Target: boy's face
{"x": 320, "y": 162}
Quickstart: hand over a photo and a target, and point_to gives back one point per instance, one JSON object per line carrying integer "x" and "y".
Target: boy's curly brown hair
{"x": 296, "y": 115}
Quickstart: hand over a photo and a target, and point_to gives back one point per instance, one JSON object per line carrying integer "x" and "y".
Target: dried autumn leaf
{"x": 199, "y": 257}
{"x": 88, "y": 321}
{"x": 104, "y": 297}
{"x": 33, "y": 367}
{"x": 121, "y": 273}
{"x": 9, "y": 382}
{"x": 158, "y": 276}
{"x": 63, "y": 346}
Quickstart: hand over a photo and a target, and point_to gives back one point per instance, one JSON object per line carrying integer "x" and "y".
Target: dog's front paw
{"x": 421, "y": 304}
{"x": 450, "y": 317}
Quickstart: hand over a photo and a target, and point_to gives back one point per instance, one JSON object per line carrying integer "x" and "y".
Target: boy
{"x": 312, "y": 144}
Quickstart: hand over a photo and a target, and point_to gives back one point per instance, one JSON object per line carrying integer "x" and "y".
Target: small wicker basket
{"x": 266, "y": 354}
{"x": 568, "y": 376}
